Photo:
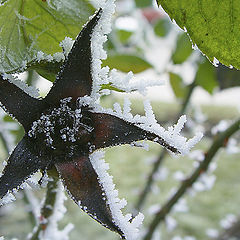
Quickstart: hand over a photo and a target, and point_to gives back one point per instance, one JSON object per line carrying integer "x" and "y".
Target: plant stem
{"x": 187, "y": 183}
{"x": 150, "y": 179}
{"x": 231, "y": 233}
{"x": 146, "y": 190}
{"x": 48, "y": 207}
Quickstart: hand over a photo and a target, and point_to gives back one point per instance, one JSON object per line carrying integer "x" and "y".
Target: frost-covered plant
{"x": 67, "y": 128}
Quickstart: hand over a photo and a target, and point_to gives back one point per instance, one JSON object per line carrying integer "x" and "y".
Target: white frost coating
{"x": 8, "y": 198}
{"x": 204, "y": 183}
{"x": 220, "y": 127}
{"x": 103, "y": 76}
{"x": 212, "y": 233}
{"x": 215, "y": 62}
{"x": 128, "y": 83}
{"x": 232, "y": 146}
{"x": 180, "y": 206}
{"x": 34, "y": 205}
{"x": 100, "y": 75}
{"x": 148, "y": 122}
{"x": 197, "y": 155}
{"x": 154, "y": 209}
{"x": 130, "y": 229}
{"x": 228, "y": 221}
{"x": 5, "y": 130}
{"x": 30, "y": 90}
{"x": 52, "y": 231}
{"x": 179, "y": 175}
{"x": 161, "y": 174}
{"x": 66, "y": 44}
{"x": 171, "y": 223}
{"x": 127, "y": 109}
{"x": 149, "y": 112}
{"x": 21, "y": 17}
{"x": 58, "y": 56}
{"x": 41, "y": 56}
{"x": 143, "y": 145}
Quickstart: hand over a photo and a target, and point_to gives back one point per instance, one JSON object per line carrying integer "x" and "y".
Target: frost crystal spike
{"x": 63, "y": 130}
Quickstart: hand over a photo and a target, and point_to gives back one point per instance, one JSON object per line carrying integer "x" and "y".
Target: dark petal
{"x": 18, "y": 103}
{"x": 81, "y": 181}
{"x": 111, "y": 130}
{"x": 21, "y": 164}
{"x": 75, "y": 79}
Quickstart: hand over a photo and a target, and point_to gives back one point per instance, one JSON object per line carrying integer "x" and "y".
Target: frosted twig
{"x": 161, "y": 157}
{"x": 188, "y": 182}
{"x": 52, "y": 211}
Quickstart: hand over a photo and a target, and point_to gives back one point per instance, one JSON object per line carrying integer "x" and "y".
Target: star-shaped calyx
{"x": 62, "y": 130}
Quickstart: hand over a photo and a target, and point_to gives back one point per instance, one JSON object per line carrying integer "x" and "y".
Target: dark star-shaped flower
{"x": 61, "y": 132}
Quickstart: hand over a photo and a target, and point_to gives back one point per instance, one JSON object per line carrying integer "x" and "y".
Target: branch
{"x": 150, "y": 178}
{"x": 47, "y": 208}
{"x": 231, "y": 233}
{"x": 187, "y": 183}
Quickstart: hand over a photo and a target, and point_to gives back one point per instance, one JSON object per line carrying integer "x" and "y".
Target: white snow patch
{"x": 130, "y": 229}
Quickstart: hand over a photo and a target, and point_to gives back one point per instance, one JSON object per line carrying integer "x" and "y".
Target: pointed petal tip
{"x": 82, "y": 184}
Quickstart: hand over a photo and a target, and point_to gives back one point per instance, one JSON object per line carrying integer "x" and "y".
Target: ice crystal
{"x": 130, "y": 229}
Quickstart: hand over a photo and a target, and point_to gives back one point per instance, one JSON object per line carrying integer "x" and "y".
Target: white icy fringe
{"x": 100, "y": 75}
{"x": 52, "y": 231}
{"x": 103, "y": 75}
{"x": 8, "y": 198}
{"x": 130, "y": 229}
{"x": 148, "y": 122}
{"x": 66, "y": 44}
{"x": 30, "y": 90}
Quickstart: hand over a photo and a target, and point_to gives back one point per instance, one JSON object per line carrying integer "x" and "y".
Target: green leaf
{"x": 47, "y": 70}
{"x": 177, "y": 84}
{"x": 183, "y": 49}
{"x": 206, "y": 76}
{"x": 162, "y": 27}
{"x": 143, "y": 3}
{"x": 31, "y": 26}
{"x": 124, "y": 35}
{"x": 213, "y": 26}
{"x": 127, "y": 62}
{"x": 227, "y": 78}
{"x": 110, "y": 87}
